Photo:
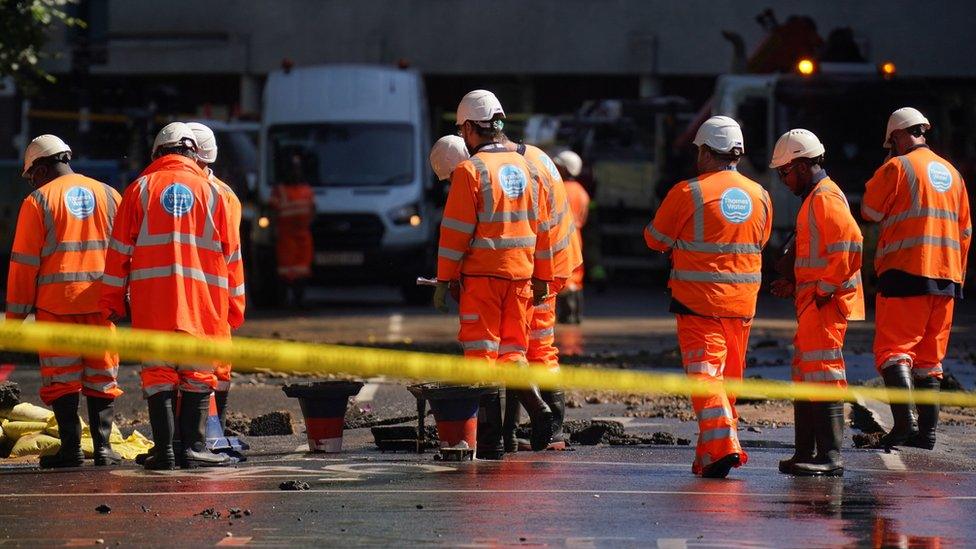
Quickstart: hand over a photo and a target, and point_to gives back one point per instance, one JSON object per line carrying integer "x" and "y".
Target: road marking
{"x": 893, "y": 462}
{"x": 367, "y": 393}
{"x": 394, "y": 331}
{"x": 388, "y": 468}
{"x": 233, "y": 541}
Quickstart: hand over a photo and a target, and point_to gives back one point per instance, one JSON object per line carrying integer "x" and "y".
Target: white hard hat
{"x": 721, "y": 134}
{"x": 570, "y": 161}
{"x": 206, "y": 142}
{"x": 446, "y": 154}
{"x": 478, "y": 106}
{"x": 174, "y": 134}
{"x": 903, "y": 118}
{"x": 794, "y": 144}
{"x": 43, "y": 146}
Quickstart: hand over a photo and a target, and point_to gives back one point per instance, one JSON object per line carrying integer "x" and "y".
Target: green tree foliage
{"x": 24, "y": 27}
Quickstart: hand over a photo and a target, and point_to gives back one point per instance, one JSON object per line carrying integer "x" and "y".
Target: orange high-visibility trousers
{"x": 64, "y": 374}
{"x": 542, "y": 330}
{"x": 495, "y": 316}
{"x": 913, "y": 330}
{"x": 819, "y": 344}
{"x": 158, "y": 376}
{"x": 294, "y": 250}
{"x": 714, "y": 349}
{"x": 222, "y": 372}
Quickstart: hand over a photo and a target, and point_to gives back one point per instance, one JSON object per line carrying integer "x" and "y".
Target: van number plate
{"x": 330, "y": 259}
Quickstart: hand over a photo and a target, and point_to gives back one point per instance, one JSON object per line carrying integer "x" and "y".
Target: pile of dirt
{"x": 867, "y": 440}
{"x": 272, "y": 424}
{"x": 9, "y": 395}
{"x": 612, "y": 433}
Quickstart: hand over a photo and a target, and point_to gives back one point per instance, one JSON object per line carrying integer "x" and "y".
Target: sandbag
{"x": 52, "y": 427}
{"x": 128, "y": 448}
{"x": 25, "y": 411}
{"x": 35, "y": 444}
{"x": 17, "y": 429}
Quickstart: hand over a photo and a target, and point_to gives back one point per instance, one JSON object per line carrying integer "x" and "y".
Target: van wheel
{"x": 416, "y": 295}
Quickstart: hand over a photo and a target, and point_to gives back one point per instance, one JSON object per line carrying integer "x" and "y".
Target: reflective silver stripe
{"x": 539, "y": 334}
{"x": 469, "y": 317}
{"x": 563, "y": 243}
{"x": 906, "y": 164}
{"x": 448, "y": 253}
{"x": 814, "y": 259}
{"x": 206, "y": 242}
{"x": 81, "y": 246}
{"x": 113, "y": 281}
{"x": 99, "y": 387}
{"x": 926, "y": 371}
{"x": 533, "y": 196}
{"x": 179, "y": 238}
{"x": 94, "y": 372}
{"x": 706, "y": 276}
{"x": 159, "y": 388}
{"x": 194, "y": 386}
{"x": 60, "y": 361}
{"x": 237, "y": 291}
{"x": 826, "y": 287}
{"x": 809, "y": 262}
{"x": 822, "y": 354}
{"x": 110, "y": 207}
{"x": 178, "y": 270}
{"x": 210, "y": 228}
{"x": 967, "y": 232}
{"x": 503, "y": 243}
{"x": 718, "y": 247}
{"x": 460, "y": 226}
{"x": 234, "y": 256}
{"x": 511, "y": 349}
{"x": 694, "y": 353}
{"x": 699, "y": 214}
{"x": 480, "y": 345}
{"x": 667, "y": 240}
{"x": 484, "y": 178}
{"x": 19, "y": 308}
{"x": 912, "y": 213}
{"x": 196, "y": 367}
{"x": 223, "y": 385}
{"x": 66, "y": 377}
{"x": 49, "y": 240}
{"x": 844, "y": 246}
{"x": 716, "y": 434}
{"x": 766, "y": 207}
{"x": 123, "y": 249}
{"x": 25, "y": 259}
{"x": 499, "y": 217}
{"x": 913, "y": 242}
{"x": 896, "y": 359}
{"x": 871, "y": 213}
{"x": 554, "y": 221}
{"x": 714, "y": 413}
{"x": 706, "y": 368}
{"x": 829, "y": 374}
{"x": 90, "y": 276}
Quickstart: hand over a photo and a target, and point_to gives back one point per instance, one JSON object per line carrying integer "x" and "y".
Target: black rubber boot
{"x": 557, "y": 403}
{"x": 161, "y": 456}
{"x": 804, "y": 437}
{"x": 828, "y": 419}
{"x": 490, "y": 427}
{"x": 101, "y": 411}
{"x": 194, "y": 410}
{"x": 69, "y": 429}
{"x": 543, "y": 421}
{"x": 513, "y": 411}
{"x": 720, "y": 468}
{"x": 900, "y": 376}
{"x": 220, "y": 397}
{"x": 928, "y": 415}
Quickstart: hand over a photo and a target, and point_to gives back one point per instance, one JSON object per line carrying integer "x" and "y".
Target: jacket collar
{"x": 174, "y": 163}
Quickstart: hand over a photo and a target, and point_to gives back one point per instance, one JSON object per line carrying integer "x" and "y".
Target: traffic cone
{"x": 216, "y": 440}
{"x": 324, "y": 406}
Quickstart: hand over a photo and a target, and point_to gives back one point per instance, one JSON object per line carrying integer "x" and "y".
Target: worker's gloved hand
{"x": 782, "y": 287}
{"x": 822, "y": 300}
{"x": 540, "y": 291}
{"x": 440, "y": 296}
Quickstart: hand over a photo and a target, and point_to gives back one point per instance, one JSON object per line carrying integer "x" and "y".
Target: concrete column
{"x": 250, "y": 94}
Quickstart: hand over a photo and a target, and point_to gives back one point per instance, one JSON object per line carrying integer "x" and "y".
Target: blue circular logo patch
{"x": 177, "y": 199}
{"x": 80, "y": 202}
{"x": 939, "y": 176}
{"x": 551, "y": 166}
{"x": 513, "y": 180}
{"x": 736, "y": 205}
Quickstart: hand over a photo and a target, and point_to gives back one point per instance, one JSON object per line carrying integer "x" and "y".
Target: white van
{"x": 363, "y": 134}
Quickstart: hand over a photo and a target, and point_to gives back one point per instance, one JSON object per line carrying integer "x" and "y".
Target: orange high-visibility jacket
{"x": 921, "y": 202}
{"x": 493, "y": 220}
{"x": 169, "y": 248}
{"x": 828, "y": 250}
{"x": 567, "y": 251}
{"x": 294, "y": 205}
{"x": 716, "y": 226}
{"x": 579, "y": 202}
{"x": 235, "y": 263}
{"x": 59, "y": 247}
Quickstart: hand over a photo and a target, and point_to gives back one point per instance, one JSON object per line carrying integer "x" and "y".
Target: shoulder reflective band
{"x": 448, "y": 253}
{"x": 502, "y": 217}
{"x": 25, "y": 259}
{"x": 90, "y": 276}
{"x": 667, "y": 240}
{"x": 484, "y": 183}
{"x": 110, "y": 207}
{"x": 871, "y": 213}
{"x": 698, "y": 217}
{"x": 912, "y": 179}
{"x": 49, "y": 239}
{"x": 714, "y": 413}
{"x": 709, "y": 276}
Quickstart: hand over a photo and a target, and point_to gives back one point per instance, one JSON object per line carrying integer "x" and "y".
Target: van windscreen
{"x": 342, "y": 154}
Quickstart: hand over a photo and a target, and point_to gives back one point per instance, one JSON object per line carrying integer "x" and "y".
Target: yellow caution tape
{"x": 249, "y": 354}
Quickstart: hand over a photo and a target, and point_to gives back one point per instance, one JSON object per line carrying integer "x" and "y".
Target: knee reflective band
{"x": 69, "y": 429}
{"x": 899, "y": 376}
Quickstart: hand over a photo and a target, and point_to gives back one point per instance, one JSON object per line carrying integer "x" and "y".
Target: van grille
{"x": 347, "y": 231}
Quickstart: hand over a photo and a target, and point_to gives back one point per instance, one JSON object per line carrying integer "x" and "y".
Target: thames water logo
{"x": 177, "y": 199}
{"x": 939, "y": 176}
{"x": 736, "y": 205}
{"x": 513, "y": 180}
{"x": 80, "y": 202}
{"x": 551, "y": 166}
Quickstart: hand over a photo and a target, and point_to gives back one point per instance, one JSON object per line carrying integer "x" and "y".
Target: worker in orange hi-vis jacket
{"x": 207, "y": 155}
{"x": 826, "y": 285}
{"x": 495, "y": 240}
{"x": 570, "y": 302}
{"x": 293, "y": 202}
{"x": 920, "y": 200}
{"x": 714, "y": 226}
{"x": 58, "y": 256}
{"x": 170, "y": 248}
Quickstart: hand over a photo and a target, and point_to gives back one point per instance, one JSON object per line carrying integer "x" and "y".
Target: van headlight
{"x": 406, "y": 215}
